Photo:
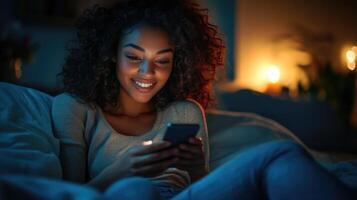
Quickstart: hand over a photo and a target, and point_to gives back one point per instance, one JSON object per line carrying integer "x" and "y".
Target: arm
{"x": 68, "y": 118}
{"x": 101, "y": 183}
{"x": 194, "y": 155}
{"x": 141, "y": 160}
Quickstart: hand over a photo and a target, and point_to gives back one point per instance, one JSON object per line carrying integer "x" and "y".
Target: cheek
{"x": 165, "y": 74}
{"x": 124, "y": 68}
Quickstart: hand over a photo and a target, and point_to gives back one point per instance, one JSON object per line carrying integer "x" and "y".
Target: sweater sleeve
{"x": 194, "y": 113}
{"x": 68, "y": 118}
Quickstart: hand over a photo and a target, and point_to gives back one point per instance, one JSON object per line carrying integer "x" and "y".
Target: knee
{"x": 264, "y": 153}
{"x": 280, "y": 149}
{"x": 128, "y": 189}
{"x": 286, "y": 146}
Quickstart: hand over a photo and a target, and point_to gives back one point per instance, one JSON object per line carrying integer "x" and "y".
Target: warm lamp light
{"x": 273, "y": 74}
{"x": 354, "y": 48}
{"x": 351, "y": 58}
{"x": 351, "y": 66}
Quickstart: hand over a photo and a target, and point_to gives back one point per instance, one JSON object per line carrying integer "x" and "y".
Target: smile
{"x": 144, "y": 86}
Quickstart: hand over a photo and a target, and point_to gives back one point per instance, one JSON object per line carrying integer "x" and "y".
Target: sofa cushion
{"x": 27, "y": 144}
{"x": 313, "y": 121}
{"x": 231, "y": 133}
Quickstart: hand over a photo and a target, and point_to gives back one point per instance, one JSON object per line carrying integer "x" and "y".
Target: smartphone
{"x": 180, "y": 133}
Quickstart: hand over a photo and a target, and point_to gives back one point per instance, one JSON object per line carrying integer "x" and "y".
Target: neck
{"x": 128, "y": 107}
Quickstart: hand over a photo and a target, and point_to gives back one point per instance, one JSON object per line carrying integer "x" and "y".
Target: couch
{"x": 29, "y": 150}
{"x": 310, "y": 119}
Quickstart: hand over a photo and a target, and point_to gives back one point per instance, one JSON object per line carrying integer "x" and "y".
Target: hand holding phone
{"x": 180, "y": 133}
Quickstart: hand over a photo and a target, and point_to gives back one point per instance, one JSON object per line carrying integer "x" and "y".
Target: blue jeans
{"x": 140, "y": 188}
{"x": 275, "y": 170}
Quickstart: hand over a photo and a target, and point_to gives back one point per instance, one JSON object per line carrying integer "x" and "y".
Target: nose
{"x": 146, "y": 67}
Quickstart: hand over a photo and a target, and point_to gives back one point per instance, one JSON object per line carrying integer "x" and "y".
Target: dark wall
{"x": 223, "y": 13}
{"x": 49, "y": 57}
{"x": 5, "y": 10}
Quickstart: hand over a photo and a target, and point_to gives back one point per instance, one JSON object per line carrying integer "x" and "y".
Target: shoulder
{"x": 68, "y": 100}
{"x": 67, "y": 103}
{"x": 187, "y": 109}
{"x": 188, "y": 104}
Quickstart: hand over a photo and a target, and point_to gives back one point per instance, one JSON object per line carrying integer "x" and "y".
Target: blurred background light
{"x": 273, "y": 74}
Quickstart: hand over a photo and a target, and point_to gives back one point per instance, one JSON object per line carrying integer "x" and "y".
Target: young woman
{"x": 134, "y": 68}
{"x": 129, "y": 74}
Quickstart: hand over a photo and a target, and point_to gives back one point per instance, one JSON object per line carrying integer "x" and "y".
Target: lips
{"x": 144, "y": 85}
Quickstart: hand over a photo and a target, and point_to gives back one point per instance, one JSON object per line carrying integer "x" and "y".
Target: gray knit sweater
{"x": 89, "y": 145}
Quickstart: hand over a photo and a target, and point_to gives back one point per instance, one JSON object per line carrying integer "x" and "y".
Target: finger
{"x": 147, "y": 149}
{"x": 154, "y": 169}
{"x": 194, "y": 149}
{"x": 189, "y": 163}
{"x": 195, "y": 140}
{"x": 147, "y": 159}
{"x": 187, "y": 156}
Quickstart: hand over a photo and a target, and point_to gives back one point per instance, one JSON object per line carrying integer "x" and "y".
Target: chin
{"x": 143, "y": 99}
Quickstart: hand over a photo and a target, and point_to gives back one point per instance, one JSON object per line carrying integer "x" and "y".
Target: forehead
{"x": 145, "y": 36}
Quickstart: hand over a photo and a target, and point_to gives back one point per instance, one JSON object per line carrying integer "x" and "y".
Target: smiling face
{"x": 145, "y": 58}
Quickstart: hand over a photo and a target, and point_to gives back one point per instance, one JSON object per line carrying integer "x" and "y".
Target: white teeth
{"x": 144, "y": 85}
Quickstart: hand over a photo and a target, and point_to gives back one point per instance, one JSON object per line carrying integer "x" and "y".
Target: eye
{"x": 163, "y": 62}
{"x": 133, "y": 57}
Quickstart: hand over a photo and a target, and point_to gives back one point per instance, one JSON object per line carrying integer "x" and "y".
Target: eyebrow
{"x": 165, "y": 50}
{"x": 143, "y": 50}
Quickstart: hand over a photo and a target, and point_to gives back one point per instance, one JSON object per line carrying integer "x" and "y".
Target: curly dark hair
{"x": 89, "y": 70}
